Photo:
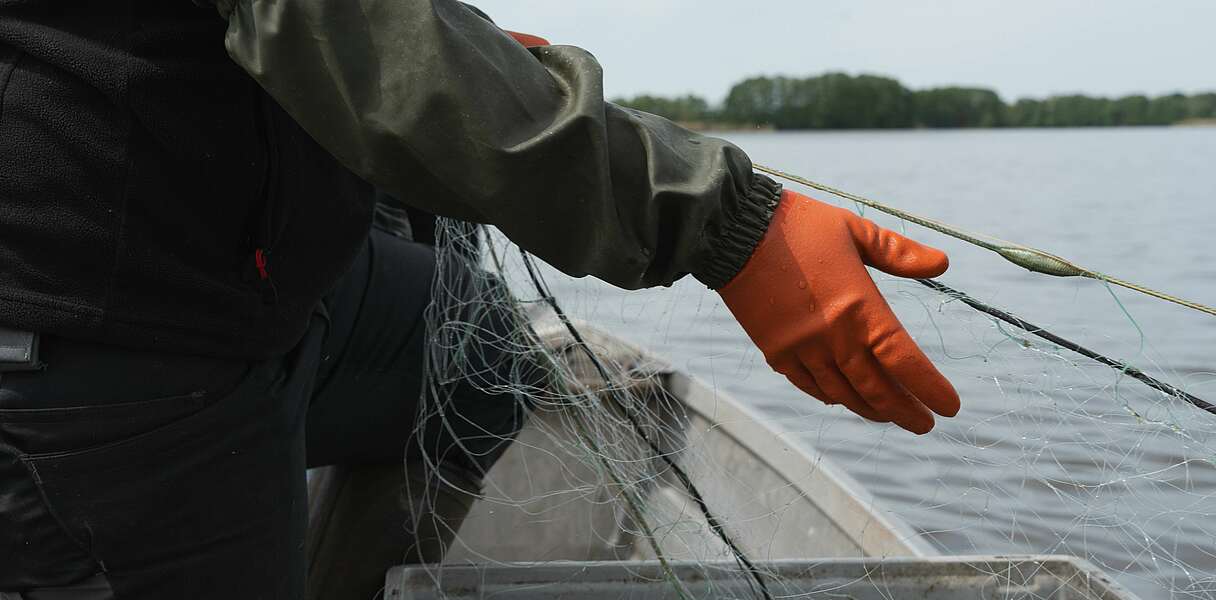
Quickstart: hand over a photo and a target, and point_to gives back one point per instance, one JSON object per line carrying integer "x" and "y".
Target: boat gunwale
{"x": 1070, "y": 572}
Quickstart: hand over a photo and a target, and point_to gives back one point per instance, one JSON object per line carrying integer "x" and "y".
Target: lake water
{"x": 1050, "y": 453}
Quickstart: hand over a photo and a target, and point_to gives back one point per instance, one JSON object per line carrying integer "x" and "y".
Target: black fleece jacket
{"x": 154, "y": 195}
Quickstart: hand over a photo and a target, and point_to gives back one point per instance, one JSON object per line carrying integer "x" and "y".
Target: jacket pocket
{"x": 121, "y": 435}
{"x": 38, "y": 432}
{"x": 268, "y": 223}
{"x": 204, "y": 487}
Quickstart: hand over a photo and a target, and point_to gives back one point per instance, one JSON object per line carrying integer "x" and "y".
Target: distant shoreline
{"x": 724, "y": 127}
{"x": 1196, "y": 123}
{"x": 841, "y": 101}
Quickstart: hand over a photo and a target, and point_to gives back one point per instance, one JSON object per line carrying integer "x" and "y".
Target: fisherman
{"x": 196, "y": 306}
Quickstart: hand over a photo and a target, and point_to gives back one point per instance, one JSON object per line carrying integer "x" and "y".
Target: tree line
{"x": 842, "y": 101}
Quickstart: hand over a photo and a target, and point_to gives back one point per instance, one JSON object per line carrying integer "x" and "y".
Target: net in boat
{"x": 1054, "y": 453}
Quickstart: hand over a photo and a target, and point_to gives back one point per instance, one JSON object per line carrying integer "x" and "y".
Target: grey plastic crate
{"x": 1037, "y": 577}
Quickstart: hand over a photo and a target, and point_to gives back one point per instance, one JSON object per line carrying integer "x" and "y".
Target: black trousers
{"x": 155, "y": 477}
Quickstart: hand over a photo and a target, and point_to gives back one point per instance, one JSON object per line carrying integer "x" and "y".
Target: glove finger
{"x": 905, "y": 362}
{"x": 893, "y": 253}
{"x": 887, "y": 397}
{"x": 834, "y": 383}
{"x": 802, "y": 379}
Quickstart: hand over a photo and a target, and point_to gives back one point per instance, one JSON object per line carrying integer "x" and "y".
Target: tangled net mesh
{"x": 1052, "y": 454}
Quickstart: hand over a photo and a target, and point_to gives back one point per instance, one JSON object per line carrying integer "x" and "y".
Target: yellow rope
{"x": 1026, "y": 257}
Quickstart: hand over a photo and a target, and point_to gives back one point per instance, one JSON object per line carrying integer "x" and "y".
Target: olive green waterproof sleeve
{"x": 445, "y": 111}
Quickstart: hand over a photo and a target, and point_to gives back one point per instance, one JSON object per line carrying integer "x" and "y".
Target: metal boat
{"x": 546, "y": 529}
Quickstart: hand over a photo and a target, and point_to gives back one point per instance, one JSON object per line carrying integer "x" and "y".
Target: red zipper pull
{"x": 259, "y": 260}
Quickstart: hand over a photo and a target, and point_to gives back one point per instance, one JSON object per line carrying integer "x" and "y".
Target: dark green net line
{"x": 1034, "y": 260}
{"x": 1037, "y": 331}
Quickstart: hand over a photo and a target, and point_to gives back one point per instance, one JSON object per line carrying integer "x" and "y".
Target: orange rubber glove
{"x": 806, "y": 300}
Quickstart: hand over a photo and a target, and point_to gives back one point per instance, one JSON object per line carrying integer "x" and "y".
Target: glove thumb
{"x": 895, "y": 254}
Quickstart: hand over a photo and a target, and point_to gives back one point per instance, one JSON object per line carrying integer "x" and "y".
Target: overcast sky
{"x": 1019, "y": 48}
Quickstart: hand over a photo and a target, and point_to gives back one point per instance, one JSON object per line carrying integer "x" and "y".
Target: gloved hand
{"x": 805, "y": 298}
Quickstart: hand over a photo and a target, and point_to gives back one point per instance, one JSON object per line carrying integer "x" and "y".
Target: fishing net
{"x": 1053, "y": 453}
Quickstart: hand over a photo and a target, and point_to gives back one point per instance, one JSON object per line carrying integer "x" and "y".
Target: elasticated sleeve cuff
{"x": 743, "y": 229}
